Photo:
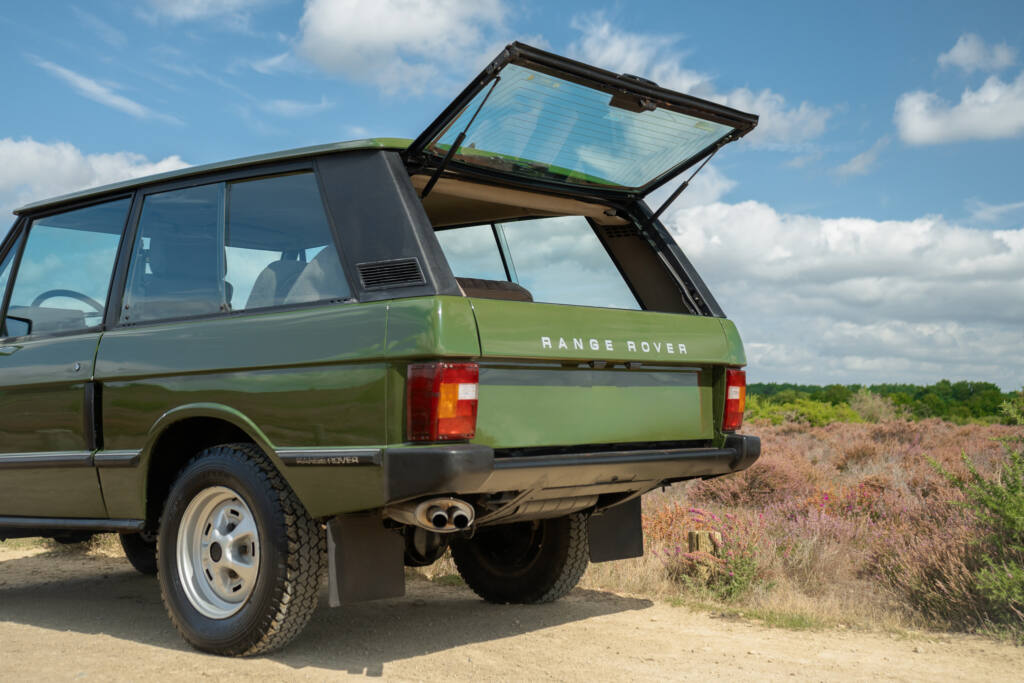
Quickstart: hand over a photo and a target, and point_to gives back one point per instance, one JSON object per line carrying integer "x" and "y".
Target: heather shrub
{"x": 847, "y": 521}
{"x": 733, "y": 570}
{"x": 856, "y": 453}
{"x": 929, "y": 562}
{"x": 775, "y": 476}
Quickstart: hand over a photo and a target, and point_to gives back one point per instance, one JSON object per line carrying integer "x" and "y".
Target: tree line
{"x": 956, "y": 401}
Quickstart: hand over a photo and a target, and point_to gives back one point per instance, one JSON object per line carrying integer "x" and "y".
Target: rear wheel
{"x": 240, "y": 559}
{"x": 140, "y": 549}
{"x": 526, "y": 562}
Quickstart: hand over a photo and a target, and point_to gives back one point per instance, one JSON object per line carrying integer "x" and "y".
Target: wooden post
{"x": 704, "y": 542}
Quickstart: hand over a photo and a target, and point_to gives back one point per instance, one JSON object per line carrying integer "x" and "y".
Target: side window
{"x": 232, "y": 246}
{"x": 558, "y": 260}
{"x": 278, "y": 244}
{"x": 177, "y": 266}
{"x": 561, "y": 261}
{"x": 64, "y": 274}
{"x": 472, "y": 252}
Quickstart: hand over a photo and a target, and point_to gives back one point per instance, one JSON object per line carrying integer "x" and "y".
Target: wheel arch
{"x": 179, "y": 434}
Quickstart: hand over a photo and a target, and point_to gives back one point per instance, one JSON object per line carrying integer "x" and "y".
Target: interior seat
{"x": 275, "y": 281}
{"x": 185, "y": 278}
{"x": 321, "y": 279}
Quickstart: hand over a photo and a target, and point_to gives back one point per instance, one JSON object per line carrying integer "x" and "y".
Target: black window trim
{"x": 12, "y": 241}
{"x": 261, "y": 171}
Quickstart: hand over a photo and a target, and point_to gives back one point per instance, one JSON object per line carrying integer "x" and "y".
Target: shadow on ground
{"x": 90, "y": 594}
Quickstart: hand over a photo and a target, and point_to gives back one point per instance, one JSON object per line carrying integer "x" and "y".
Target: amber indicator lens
{"x": 441, "y": 400}
{"x": 735, "y": 399}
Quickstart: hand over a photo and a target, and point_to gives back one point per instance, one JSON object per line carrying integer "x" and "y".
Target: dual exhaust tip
{"x": 441, "y": 518}
{"x": 440, "y": 515}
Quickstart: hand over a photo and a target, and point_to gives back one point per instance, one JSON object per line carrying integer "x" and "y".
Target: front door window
{"x": 64, "y": 275}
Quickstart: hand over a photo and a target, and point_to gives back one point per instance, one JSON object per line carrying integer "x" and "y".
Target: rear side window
{"x": 65, "y": 269}
{"x": 279, "y": 245}
{"x": 558, "y": 260}
{"x": 232, "y": 246}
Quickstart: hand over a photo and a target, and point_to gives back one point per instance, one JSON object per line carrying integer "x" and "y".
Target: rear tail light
{"x": 735, "y": 399}
{"x": 441, "y": 401}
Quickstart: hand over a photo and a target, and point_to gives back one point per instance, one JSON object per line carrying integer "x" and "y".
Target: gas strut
{"x": 458, "y": 143}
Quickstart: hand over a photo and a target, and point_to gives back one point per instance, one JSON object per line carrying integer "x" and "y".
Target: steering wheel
{"x": 71, "y": 294}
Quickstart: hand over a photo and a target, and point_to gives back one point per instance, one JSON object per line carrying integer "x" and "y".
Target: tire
{"x": 140, "y": 549}
{"x": 526, "y": 562}
{"x": 229, "y": 510}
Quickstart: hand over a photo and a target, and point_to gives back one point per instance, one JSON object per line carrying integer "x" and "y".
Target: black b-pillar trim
{"x": 93, "y": 415}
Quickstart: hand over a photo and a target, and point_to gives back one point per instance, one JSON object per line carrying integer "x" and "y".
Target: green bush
{"x": 799, "y": 410}
{"x": 998, "y": 504}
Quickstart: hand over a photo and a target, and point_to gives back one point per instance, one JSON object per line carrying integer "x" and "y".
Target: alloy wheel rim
{"x": 218, "y": 552}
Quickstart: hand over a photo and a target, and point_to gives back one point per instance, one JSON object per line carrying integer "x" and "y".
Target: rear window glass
{"x": 540, "y": 126}
{"x": 557, "y": 260}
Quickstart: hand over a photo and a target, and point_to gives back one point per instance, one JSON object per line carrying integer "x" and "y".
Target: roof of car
{"x": 284, "y": 155}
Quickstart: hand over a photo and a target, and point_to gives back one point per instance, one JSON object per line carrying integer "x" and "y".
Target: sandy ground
{"x": 70, "y": 616}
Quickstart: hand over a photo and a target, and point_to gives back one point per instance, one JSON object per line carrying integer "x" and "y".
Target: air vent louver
{"x": 404, "y": 272}
{"x": 613, "y": 231}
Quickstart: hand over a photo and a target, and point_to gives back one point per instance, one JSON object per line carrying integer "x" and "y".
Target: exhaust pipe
{"x": 458, "y": 518}
{"x": 440, "y": 515}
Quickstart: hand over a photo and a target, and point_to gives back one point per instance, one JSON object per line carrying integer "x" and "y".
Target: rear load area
{"x": 588, "y": 334}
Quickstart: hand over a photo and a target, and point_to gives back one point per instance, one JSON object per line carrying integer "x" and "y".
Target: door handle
{"x": 8, "y": 350}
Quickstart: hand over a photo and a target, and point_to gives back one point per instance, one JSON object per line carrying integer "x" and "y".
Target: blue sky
{"x": 878, "y": 208}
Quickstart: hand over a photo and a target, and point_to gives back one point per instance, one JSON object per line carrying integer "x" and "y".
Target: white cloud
{"x": 284, "y": 62}
{"x": 858, "y": 300}
{"x": 408, "y": 45}
{"x": 802, "y": 160}
{"x": 235, "y": 14}
{"x": 655, "y": 57}
{"x": 970, "y": 53}
{"x": 31, "y": 171}
{"x": 864, "y": 162}
{"x": 709, "y": 186}
{"x": 993, "y": 111}
{"x": 982, "y": 212}
{"x": 294, "y": 108}
{"x": 103, "y": 94}
{"x": 107, "y": 33}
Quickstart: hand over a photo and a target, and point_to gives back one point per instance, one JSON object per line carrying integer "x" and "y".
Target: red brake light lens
{"x": 735, "y": 399}
{"x": 441, "y": 400}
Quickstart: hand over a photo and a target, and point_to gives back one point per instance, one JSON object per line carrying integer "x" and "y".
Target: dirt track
{"x": 76, "y": 616}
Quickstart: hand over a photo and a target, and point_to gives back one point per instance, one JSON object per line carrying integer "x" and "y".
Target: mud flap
{"x": 365, "y": 560}
{"x": 617, "y": 533}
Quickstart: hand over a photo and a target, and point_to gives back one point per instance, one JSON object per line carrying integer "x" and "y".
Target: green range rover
{"x": 354, "y": 357}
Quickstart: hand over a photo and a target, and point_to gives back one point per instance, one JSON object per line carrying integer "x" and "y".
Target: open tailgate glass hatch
{"x": 534, "y": 116}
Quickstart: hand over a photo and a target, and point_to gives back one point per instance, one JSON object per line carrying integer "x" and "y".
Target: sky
{"x": 871, "y": 229}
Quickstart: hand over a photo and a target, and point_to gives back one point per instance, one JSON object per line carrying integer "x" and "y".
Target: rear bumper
{"x": 465, "y": 469}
